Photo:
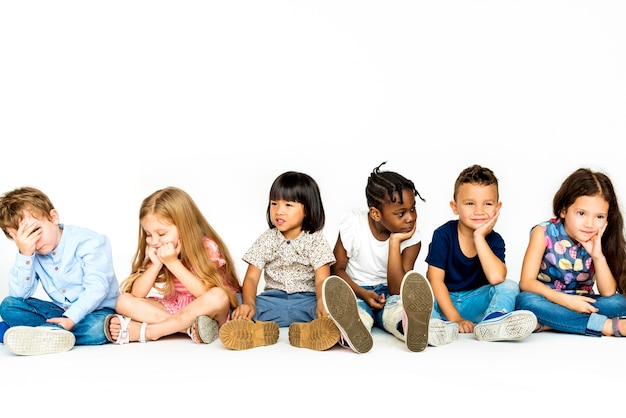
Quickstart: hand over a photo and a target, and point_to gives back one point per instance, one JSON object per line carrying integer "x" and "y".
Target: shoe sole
{"x": 340, "y": 302}
{"x": 516, "y": 326}
{"x": 32, "y": 341}
{"x": 417, "y": 300}
{"x": 319, "y": 334}
{"x": 243, "y": 334}
{"x": 441, "y": 332}
{"x": 207, "y": 329}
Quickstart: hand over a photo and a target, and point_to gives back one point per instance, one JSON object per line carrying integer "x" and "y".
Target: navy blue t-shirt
{"x": 461, "y": 273}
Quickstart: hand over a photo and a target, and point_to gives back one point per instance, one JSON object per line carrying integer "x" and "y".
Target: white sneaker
{"x": 505, "y": 326}
{"x": 442, "y": 332}
{"x": 30, "y": 341}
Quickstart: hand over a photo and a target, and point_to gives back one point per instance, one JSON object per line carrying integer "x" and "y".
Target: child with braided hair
{"x": 374, "y": 282}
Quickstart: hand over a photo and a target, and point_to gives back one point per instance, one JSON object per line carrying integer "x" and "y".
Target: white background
{"x": 102, "y": 103}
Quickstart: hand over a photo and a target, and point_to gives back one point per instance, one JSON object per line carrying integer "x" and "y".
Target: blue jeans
{"x": 563, "y": 319}
{"x": 377, "y": 315}
{"x": 34, "y": 312}
{"x": 285, "y": 308}
{"x": 476, "y": 304}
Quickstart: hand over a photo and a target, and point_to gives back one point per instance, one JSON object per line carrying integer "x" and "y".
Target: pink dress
{"x": 181, "y": 296}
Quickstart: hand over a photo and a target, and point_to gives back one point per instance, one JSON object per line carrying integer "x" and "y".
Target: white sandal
{"x": 124, "y": 337}
{"x": 142, "y": 332}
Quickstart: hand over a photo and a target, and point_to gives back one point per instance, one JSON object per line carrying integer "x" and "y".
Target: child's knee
{"x": 509, "y": 287}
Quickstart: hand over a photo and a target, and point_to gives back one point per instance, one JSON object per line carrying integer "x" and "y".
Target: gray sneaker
{"x": 204, "y": 330}
{"x": 340, "y": 303}
{"x": 442, "y": 332}
{"x": 417, "y": 300}
{"x": 31, "y": 341}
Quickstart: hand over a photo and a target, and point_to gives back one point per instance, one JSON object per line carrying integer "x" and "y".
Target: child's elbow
{"x": 496, "y": 280}
{"x": 526, "y": 284}
{"x": 497, "y": 277}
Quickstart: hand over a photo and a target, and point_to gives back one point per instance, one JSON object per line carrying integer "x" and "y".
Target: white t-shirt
{"x": 367, "y": 257}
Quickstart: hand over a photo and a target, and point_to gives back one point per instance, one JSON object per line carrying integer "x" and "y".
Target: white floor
{"x": 548, "y": 372}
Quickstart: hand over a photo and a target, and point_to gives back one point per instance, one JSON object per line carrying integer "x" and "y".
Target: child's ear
{"x": 453, "y": 207}
{"x": 375, "y": 214}
{"x": 54, "y": 216}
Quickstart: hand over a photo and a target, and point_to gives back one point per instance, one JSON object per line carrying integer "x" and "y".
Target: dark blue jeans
{"x": 34, "y": 312}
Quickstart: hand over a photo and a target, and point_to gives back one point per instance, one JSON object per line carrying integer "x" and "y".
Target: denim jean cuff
{"x": 595, "y": 324}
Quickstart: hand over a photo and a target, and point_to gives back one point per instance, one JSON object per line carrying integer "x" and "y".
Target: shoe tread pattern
{"x": 516, "y": 326}
{"x": 244, "y": 334}
{"x": 417, "y": 300}
{"x": 207, "y": 329}
{"x": 30, "y": 341}
{"x": 342, "y": 308}
{"x": 319, "y": 334}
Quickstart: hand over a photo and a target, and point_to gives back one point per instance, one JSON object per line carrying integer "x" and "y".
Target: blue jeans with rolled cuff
{"x": 34, "y": 312}
{"x": 563, "y": 319}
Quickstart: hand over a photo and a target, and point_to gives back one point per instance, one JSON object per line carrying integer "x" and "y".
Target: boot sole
{"x": 319, "y": 334}
{"x": 244, "y": 334}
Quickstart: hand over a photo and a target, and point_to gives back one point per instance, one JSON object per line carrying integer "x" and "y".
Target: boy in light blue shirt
{"x": 75, "y": 268}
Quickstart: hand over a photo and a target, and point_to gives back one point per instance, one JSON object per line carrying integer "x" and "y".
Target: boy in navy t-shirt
{"x": 466, "y": 267}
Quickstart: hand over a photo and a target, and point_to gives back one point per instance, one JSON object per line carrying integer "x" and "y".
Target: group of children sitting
{"x": 183, "y": 278}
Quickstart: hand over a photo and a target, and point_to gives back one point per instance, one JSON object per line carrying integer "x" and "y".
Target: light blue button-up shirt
{"x": 78, "y": 275}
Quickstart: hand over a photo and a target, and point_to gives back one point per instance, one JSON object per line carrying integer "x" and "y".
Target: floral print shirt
{"x": 566, "y": 266}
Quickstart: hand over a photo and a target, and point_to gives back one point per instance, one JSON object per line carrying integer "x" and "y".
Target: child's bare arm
{"x": 321, "y": 274}
{"x": 248, "y": 294}
{"x": 442, "y": 296}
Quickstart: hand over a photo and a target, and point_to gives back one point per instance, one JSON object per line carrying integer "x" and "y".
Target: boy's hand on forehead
{"x": 29, "y": 225}
{"x": 27, "y": 235}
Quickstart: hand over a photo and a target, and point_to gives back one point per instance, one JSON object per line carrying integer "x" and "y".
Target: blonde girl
{"x": 183, "y": 278}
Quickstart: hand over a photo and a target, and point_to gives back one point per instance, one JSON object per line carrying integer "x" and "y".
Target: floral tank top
{"x": 566, "y": 266}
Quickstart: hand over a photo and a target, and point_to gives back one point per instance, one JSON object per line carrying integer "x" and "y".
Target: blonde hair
{"x": 175, "y": 206}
